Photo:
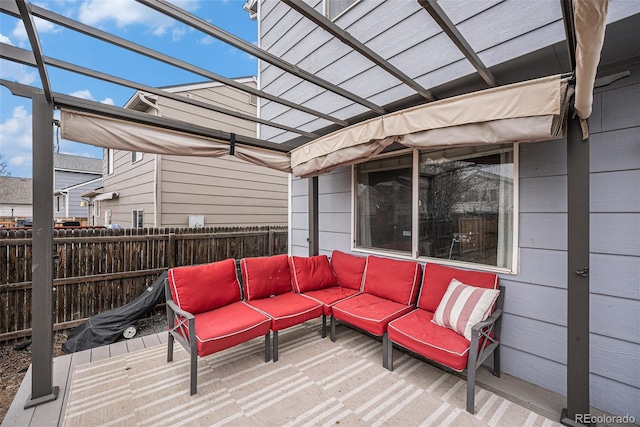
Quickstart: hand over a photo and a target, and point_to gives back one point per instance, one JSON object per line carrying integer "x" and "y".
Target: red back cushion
{"x": 200, "y": 288}
{"x": 437, "y": 278}
{"x": 311, "y": 273}
{"x": 349, "y": 269}
{"x": 265, "y": 276}
{"x": 392, "y": 279}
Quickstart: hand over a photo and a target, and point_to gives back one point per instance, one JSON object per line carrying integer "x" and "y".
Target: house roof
{"x": 72, "y": 163}
{"x": 17, "y": 191}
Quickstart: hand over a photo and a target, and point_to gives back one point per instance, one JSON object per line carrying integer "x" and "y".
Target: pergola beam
{"x": 193, "y": 21}
{"x": 32, "y": 33}
{"x": 346, "y": 38}
{"x": 150, "y": 53}
{"x": 441, "y": 18}
{"x": 570, "y": 31}
{"x": 26, "y": 57}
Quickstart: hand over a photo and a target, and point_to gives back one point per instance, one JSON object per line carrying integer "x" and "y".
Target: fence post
{"x": 172, "y": 250}
{"x": 272, "y": 235}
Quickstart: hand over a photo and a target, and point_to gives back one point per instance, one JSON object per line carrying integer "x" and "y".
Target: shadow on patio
{"x": 316, "y": 382}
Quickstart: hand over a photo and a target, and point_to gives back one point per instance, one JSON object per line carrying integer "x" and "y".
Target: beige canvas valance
{"x": 528, "y": 111}
{"x": 118, "y": 134}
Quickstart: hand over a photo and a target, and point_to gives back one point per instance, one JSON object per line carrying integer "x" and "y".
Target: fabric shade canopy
{"x": 523, "y": 112}
{"x": 120, "y": 134}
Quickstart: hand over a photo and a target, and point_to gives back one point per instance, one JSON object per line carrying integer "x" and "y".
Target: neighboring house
{"x": 16, "y": 198}
{"x": 178, "y": 191}
{"x": 74, "y": 176}
{"x": 378, "y": 206}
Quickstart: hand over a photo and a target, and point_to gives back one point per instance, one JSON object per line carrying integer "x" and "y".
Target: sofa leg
{"x": 194, "y": 372}
{"x": 170, "y": 347}
{"x": 496, "y": 362}
{"x": 387, "y": 347}
{"x": 324, "y": 325}
{"x": 471, "y": 391}
{"x": 267, "y": 346}
{"x": 333, "y": 329}
{"x": 275, "y": 346}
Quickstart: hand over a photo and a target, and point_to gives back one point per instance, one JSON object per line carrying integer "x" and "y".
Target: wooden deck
{"x": 525, "y": 394}
{"x": 50, "y": 414}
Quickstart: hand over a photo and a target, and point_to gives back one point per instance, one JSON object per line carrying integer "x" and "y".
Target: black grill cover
{"x": 107, "y": 327}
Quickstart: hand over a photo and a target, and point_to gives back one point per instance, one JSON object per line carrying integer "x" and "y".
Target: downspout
{"x": 157, "y": 202}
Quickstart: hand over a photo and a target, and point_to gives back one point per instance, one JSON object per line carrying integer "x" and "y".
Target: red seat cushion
{"x": 288, "y": 309}
{"x": 392, "y": 279}
{"x": 265, "y": 276}
{"x": 228, "y": 326}
{"x": 201, "y": 288}
{"x": 349, "y": 269}
{"x": 416, "y": 332}
{"x": 437, "y": 278}
{"x": 311, "y": 273}
{"x": 369, "y": 312}
{"x": 329, "y": 296}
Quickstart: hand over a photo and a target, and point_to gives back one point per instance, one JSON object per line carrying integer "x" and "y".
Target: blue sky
{"x": 127, "y": 19}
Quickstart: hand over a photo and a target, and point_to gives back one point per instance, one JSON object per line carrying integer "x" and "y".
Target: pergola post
{"x": 314, "y": 247}
{"x": 42, "y": 271}
{"x": 578, "y": 274}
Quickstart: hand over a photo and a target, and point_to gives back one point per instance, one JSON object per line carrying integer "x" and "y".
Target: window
{"x": 137, "y": 219}
{"x": 334, "y": 8}
{"x": 109, "y": 161}
{"x": 384, "y": 204}
{"x": 455, "y": 205}
{"x": 136, "y": 156}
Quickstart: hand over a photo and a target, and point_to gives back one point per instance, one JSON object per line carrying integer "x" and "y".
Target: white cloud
{"x": 42, "y": 27}
{"x": 15, "y": 142}
{"x": 86, "y": 94}
{"x": 4, "y": 39}
{"x": 206, "y": 40}
{"x": 177, "y": 33}
{"x": 124, "y": 13}
{"x": 13, "y": 71}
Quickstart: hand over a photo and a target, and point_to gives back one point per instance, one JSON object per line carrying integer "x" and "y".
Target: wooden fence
{"x": 100, "y": 269}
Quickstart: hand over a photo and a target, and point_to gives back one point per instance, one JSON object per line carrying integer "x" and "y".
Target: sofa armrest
{"x": 475, "y": 329}
{"x": 177, "y": 310}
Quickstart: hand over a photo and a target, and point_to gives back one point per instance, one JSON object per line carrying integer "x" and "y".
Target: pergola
{"x": 114, "y": 127}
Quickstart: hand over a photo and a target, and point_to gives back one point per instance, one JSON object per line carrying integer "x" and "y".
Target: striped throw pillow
{"x": 463, "y": 306}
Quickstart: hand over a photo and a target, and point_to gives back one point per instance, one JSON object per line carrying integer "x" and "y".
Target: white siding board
{"x": 615, "y": 318}
{"x": 543, "y": 159}
{"x": 542, "y": 339}
{"x": 534, "y": 369}
{"x": 542, "y": 267}
{"x": 543, "y": 230}
{"x": 338, "y": 181}
{"x": 622, "y": 107}
{"x": 334, "y": 203}
{"x": 615, "y": 275}
{"x": 543, "y": 194}
{"x": 614, "y": 396}
{"x": 615, "y": 233}
{"x": 300, "y": 204}
{"x": 542, "y": 303}
{"x": 329, "y": 241}
{"x": 300, "y": 221}
{"x": 615, "y": 360}
{"x": 616, "y": 150}
{"x": 609, "y": 192}
{"x": 335, "y": 222}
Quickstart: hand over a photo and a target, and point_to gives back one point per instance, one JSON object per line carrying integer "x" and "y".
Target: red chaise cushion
{"x": 392, "y": 279}
{"x": 369, "y": 312}
{"x": 201, "y": 288}
{"x": 329, "y": 296}
{"x": 287, "y": 309}
{"x": 264, "y": 277}
{"x": 228, "y": 326}
{"x": 416, "y": 332}
{"x": 349, "y": 269}
{"x": 311, "y": 273}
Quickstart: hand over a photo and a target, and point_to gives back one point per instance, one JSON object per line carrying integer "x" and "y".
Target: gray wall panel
{"x": 543, "y": 159}
{"x": 616, "y": 233}
{"x": 537, "y": 370}
{"x": 616, "y": 318}
{"x": 542, "y": 303}
{"x": 615, "y": 275}
{"x": 619, "y": 399}
{"x": 543, "y": 230}
{"x": 543, "y": 194}
{"x": 535, "y": 337}
{"x": 543, "y": 267}
{"x": 617, "y": 150}
{"x": 622, "y": 107}
{"x": 609, "y": 192}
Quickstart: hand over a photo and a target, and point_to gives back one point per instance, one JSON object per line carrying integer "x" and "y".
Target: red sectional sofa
{"x": 439, "y": 315}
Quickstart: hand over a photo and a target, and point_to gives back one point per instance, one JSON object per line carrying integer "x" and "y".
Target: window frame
{"x": 134, "y": 156}
{"x": 136, "y": 214}
{"x": 326, "y": 8}
{"x": 413, "y": 254}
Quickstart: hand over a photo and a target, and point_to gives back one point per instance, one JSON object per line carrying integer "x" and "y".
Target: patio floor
{"x": 315, "y": 382}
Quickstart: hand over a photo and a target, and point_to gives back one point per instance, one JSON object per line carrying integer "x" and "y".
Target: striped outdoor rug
{"x": 315, "y": 382}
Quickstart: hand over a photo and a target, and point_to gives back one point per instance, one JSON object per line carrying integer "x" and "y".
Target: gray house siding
{"x": 69, "y": 181}
{"x": 534, "y": 327}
